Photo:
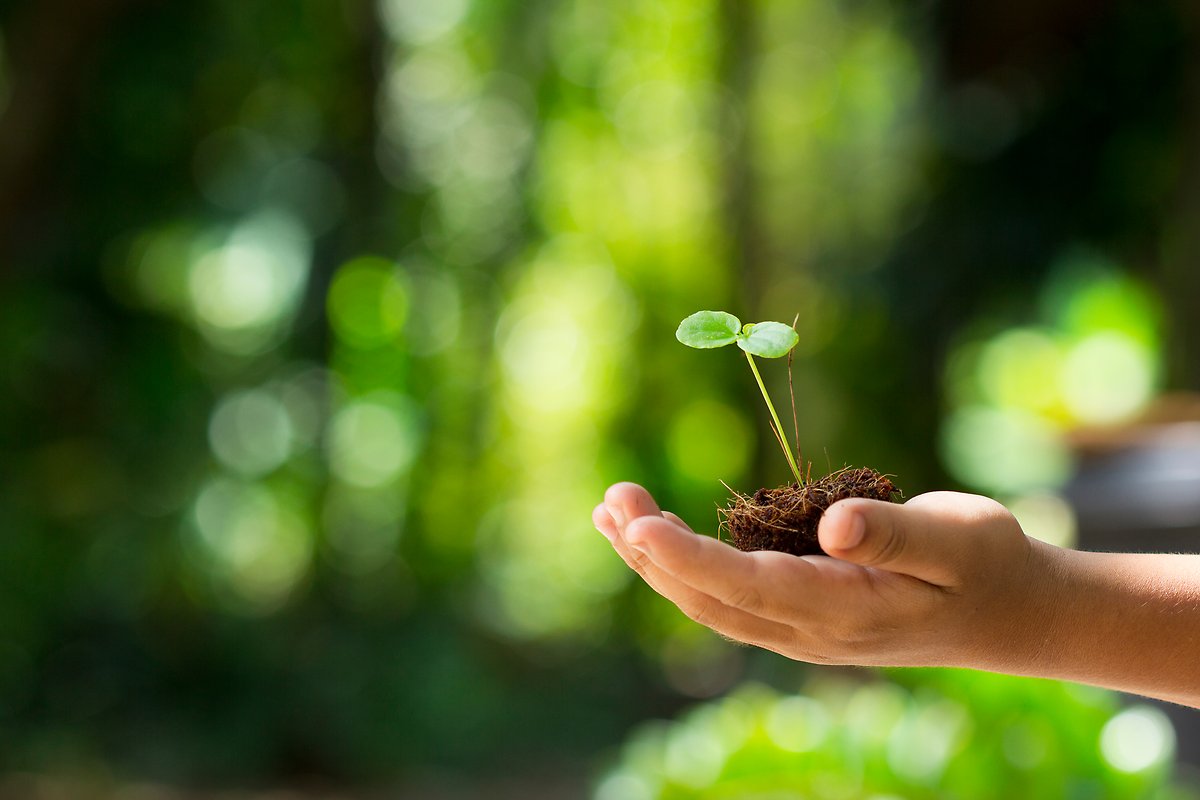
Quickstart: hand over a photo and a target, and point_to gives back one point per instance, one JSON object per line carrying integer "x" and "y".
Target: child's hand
{"x": 944, "y": 579}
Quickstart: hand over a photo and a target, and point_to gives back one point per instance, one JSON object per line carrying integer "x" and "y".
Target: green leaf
{"x": 708, "y": 329}
{"x": 768, "y": 339}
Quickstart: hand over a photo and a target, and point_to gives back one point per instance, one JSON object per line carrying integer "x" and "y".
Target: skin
{"x": 946, "y": 579}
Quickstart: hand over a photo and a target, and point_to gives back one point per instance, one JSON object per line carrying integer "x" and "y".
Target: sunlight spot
{"x": 422, "y": 21}
{"x": 254, "y": 544}
{"x": 1107, "y": 377}
{"x": 252, "y": 283}
{"x": 1020, "y": 369}
{"x": 374, "y": 440}
{"x": 1004, "y": 450}
{"x": 368, "y": 302}
{"x": 657, "y": 117}
{"x": 1046, "y": 517}
{"x": 625, "y": 786}
{"x": 250, "y": 432}
{"x": 921, "y": 745}
{"x": 543, "y": 355}
{"x": 694, "y": 756}
{"x": 708, "y": 438}
{"x": 1137, "y": 738}
{"x": 494, "y": 140}
{"x": 159, "y": 264}
{"x": 875, "y": 709}
{"x": 797, "y": 724}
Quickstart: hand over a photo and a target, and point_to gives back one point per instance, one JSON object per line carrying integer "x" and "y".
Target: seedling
{"x": 708, "y": 329}
{"x": 786, "y": 518}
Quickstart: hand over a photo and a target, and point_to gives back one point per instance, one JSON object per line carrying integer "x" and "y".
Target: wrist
{"x": 1122, "y": 621}
{"x": 1017, "y": 627}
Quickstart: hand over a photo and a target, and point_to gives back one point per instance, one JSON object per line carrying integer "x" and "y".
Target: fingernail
{"x": 605, "y": 534}
{"x": 617, "y": 514}
{"x": 856, "y": 528}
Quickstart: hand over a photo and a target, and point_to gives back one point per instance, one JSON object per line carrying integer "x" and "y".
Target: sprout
{"x": 706, "y": 330}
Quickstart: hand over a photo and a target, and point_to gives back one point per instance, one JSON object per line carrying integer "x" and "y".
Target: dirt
{"x": 785, "y": 519}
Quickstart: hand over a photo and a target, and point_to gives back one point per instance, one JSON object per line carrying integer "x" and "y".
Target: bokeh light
{"x": 1094, "y": 361}
{"x": 246, "y": 290}
{"x": 1137, "y": 739}
{"x": 561, "y": 345}
{"x": 1020, "y": 369}
{"x": 709, "y": 438}
{"x": 418, "y": 22}
{"x": 1107, "y": 377}
{"x": 1004, "y": 450}
{"x": 935, "y": 735}
{"x": 252, "y": 541}
{"x": 251, "y": 432}
{"x": 375, "y": 439}
{"x": 368, "y": 302}
{"x": 797, "y": 724}
{"x": 922, "y": 744}
{"x": 1046, "y": 516}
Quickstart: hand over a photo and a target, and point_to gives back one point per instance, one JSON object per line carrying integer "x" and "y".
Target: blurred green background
{"x": 325, "y": 323}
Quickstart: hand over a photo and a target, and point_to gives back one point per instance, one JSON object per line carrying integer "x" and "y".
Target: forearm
{"x": 1124, "y": 621}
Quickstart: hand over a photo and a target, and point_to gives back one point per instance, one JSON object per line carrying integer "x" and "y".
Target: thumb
{"x": 906, "y": 539}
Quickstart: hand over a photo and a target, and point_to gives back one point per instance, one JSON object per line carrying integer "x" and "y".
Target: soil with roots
{"x": 785, "y": 519}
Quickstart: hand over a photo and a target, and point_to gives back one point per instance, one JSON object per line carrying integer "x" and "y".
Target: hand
{"x": 945, "y": 579}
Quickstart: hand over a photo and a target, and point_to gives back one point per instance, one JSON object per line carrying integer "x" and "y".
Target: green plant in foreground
{"x": 708, "y": 329}
{"x": 922, "y": 735}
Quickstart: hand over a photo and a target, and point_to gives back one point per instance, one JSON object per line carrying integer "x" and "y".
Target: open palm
{"x": 894, "y": 598}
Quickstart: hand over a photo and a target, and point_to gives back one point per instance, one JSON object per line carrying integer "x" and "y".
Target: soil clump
{"x": 785, "y": 519}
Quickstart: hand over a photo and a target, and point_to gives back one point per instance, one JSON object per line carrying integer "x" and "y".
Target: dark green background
{"x": 967, "y": 148}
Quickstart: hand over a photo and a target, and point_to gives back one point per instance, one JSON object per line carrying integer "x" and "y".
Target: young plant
{"x": 784, "y": 519}
{"x": 709, "y": 329}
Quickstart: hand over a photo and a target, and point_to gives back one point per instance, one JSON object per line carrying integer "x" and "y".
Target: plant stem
{"x": 792, "y": 395}
{"x": 787, "y": 451}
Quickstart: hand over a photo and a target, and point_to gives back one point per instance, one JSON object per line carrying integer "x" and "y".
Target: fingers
{"x": 678, "y": 521}
{"x": 931, "y": 537}
{"x": 702, "y": 575}
{"x": 732, "y": 623}
{"x": 628, "y": 501}
{"x": 624, "y": 502}
{"x": 604, "y": 523}
{"x": 766, "y": 584}
{"x": 602, "y": 518}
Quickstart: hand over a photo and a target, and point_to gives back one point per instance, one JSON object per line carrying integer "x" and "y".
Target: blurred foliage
{"x": 323, "y": 325}
{"x": 931, "y": 734}
{"x": 1091, "y": 355}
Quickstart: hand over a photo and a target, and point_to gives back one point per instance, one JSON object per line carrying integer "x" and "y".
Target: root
{"x": 785, "y": 519}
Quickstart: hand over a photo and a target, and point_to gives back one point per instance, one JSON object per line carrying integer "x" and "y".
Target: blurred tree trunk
{"x": 747, "y": 240}
{"x": 51, "y": 42}
{"x": 1181, "y": 257}
{"x": 368, "y": 226}
{"x": 737, "y": 21}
